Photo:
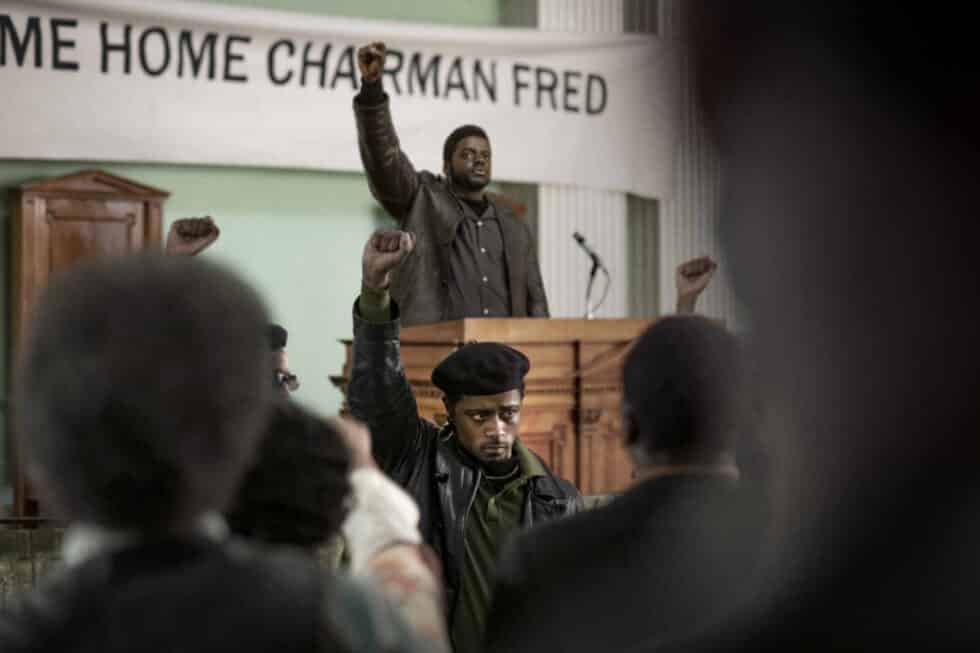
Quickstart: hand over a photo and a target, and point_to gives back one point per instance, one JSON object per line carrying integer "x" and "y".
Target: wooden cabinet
{"x": 59, "y": 222}
{"x": 571, "y": 412}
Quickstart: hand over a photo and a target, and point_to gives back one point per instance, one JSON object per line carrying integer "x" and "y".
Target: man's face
{"x": 470, "y": 165}
{"x": 487, "y": 425}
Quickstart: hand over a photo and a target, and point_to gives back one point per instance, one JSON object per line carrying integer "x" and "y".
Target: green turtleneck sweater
{"x": 495, "y": 515}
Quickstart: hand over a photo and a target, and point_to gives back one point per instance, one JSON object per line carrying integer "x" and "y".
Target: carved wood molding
{"x": 96, "y": 184}
{"x": 590, "y": 416}
{"x": 129, "y": 219}
{"x": 609, "y": 388}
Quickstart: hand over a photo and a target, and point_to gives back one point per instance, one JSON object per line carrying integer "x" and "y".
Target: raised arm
{"x": 378, "y": 392}
{"x": 391, "y": 176}
{"x": 692, "y": 278}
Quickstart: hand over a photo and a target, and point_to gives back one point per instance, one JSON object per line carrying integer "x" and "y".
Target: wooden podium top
{"x": 525, "y": 330}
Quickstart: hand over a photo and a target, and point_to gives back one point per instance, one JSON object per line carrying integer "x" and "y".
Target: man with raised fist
{"x": 475, "y": 482}
{"x": 474, "y": 257}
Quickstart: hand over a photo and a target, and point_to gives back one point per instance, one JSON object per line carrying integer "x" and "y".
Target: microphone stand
{"x": 589, "y": 310}
{"x": 596, "y": 266}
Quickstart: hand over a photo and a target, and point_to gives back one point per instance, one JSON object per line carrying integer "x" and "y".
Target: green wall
{"x": 448, "y": 12}
{"x": 296, "y": 235}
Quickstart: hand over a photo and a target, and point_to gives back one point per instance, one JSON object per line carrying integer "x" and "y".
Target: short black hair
{"x": 298, "y": 492}
{"x": 277, "y": 336}
{"x": 143, "y": 389}
{"x": 458, "y": 134}
{"x": 681, "y": 384}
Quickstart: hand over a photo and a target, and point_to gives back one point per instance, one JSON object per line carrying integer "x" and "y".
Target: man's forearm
{"x": 374, "y": 305}
{"x": 371, "y": 93}
{"x": 378, "y": 392}
{"x": 686, "y": 303}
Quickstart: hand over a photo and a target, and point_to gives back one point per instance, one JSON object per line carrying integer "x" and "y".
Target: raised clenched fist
{"x": 384, "y": 251}
{"x": 693, "y": 277}
{"x": 191, "y": 236}
{"x": 371, "y": 61}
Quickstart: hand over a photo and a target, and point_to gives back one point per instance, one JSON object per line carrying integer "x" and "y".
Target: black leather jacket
{"x": 423, "y": 204}
{"x": 423, "y": 459}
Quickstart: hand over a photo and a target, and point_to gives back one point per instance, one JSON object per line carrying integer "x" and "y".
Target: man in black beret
{"x": 474, "y": 480}
{"x": 475, "y": 258}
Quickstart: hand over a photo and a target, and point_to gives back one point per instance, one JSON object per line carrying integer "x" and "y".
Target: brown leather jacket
{"x": 422, "y": 203}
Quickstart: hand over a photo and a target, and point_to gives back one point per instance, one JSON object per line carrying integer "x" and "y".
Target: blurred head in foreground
{"x": 298, "y": 492}
{"x": 681, "y": 385}
{"x": 850, "y": 159}
{"x": 143, "y": 391}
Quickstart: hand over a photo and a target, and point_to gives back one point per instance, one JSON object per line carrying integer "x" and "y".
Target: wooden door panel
{"x": 84, "y": 229}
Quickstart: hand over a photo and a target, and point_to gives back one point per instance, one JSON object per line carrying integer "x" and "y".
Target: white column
{"x": 600, "y": 216}
{"x": 581, "y": 15}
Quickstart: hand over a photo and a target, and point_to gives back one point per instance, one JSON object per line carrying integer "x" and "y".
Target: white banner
{"x": 184, "y": 82}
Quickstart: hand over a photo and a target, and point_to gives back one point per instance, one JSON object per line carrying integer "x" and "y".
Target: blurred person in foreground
{"x": 848, "y": 133}
{"x": 315, "y": 488}
{"x": 142, "y": 395}
{"x": 673, "y": 551}
{"x": 475, "y": 481}
{"x": 298, "y": 493}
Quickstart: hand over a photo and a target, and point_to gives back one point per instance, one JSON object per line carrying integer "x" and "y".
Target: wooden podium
{"x": 571, "y": 413}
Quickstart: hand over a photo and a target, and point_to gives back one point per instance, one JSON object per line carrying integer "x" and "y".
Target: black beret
{"x": 277, "y": 337}
{"x": 481, "y": 368}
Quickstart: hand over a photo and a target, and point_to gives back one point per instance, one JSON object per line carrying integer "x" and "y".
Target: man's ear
{"x": 449, "y": 408}
{"x": 631, "y": 430}
{"x": 631, "y": 435}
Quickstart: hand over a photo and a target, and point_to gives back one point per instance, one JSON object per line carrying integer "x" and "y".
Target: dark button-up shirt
{"x": 478, "y": 284}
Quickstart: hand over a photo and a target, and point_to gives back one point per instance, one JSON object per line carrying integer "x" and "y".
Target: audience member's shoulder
{"x": 586, "y": 528}
{"x": 282, "y": 566}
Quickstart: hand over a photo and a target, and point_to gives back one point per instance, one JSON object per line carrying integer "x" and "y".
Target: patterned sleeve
{"x": 387, "y": 553}
{"x": 408, "y": 577}
{"x": 395, "y": 608}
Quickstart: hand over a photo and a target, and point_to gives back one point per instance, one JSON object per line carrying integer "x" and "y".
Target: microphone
{"x": 580, "y": 239}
